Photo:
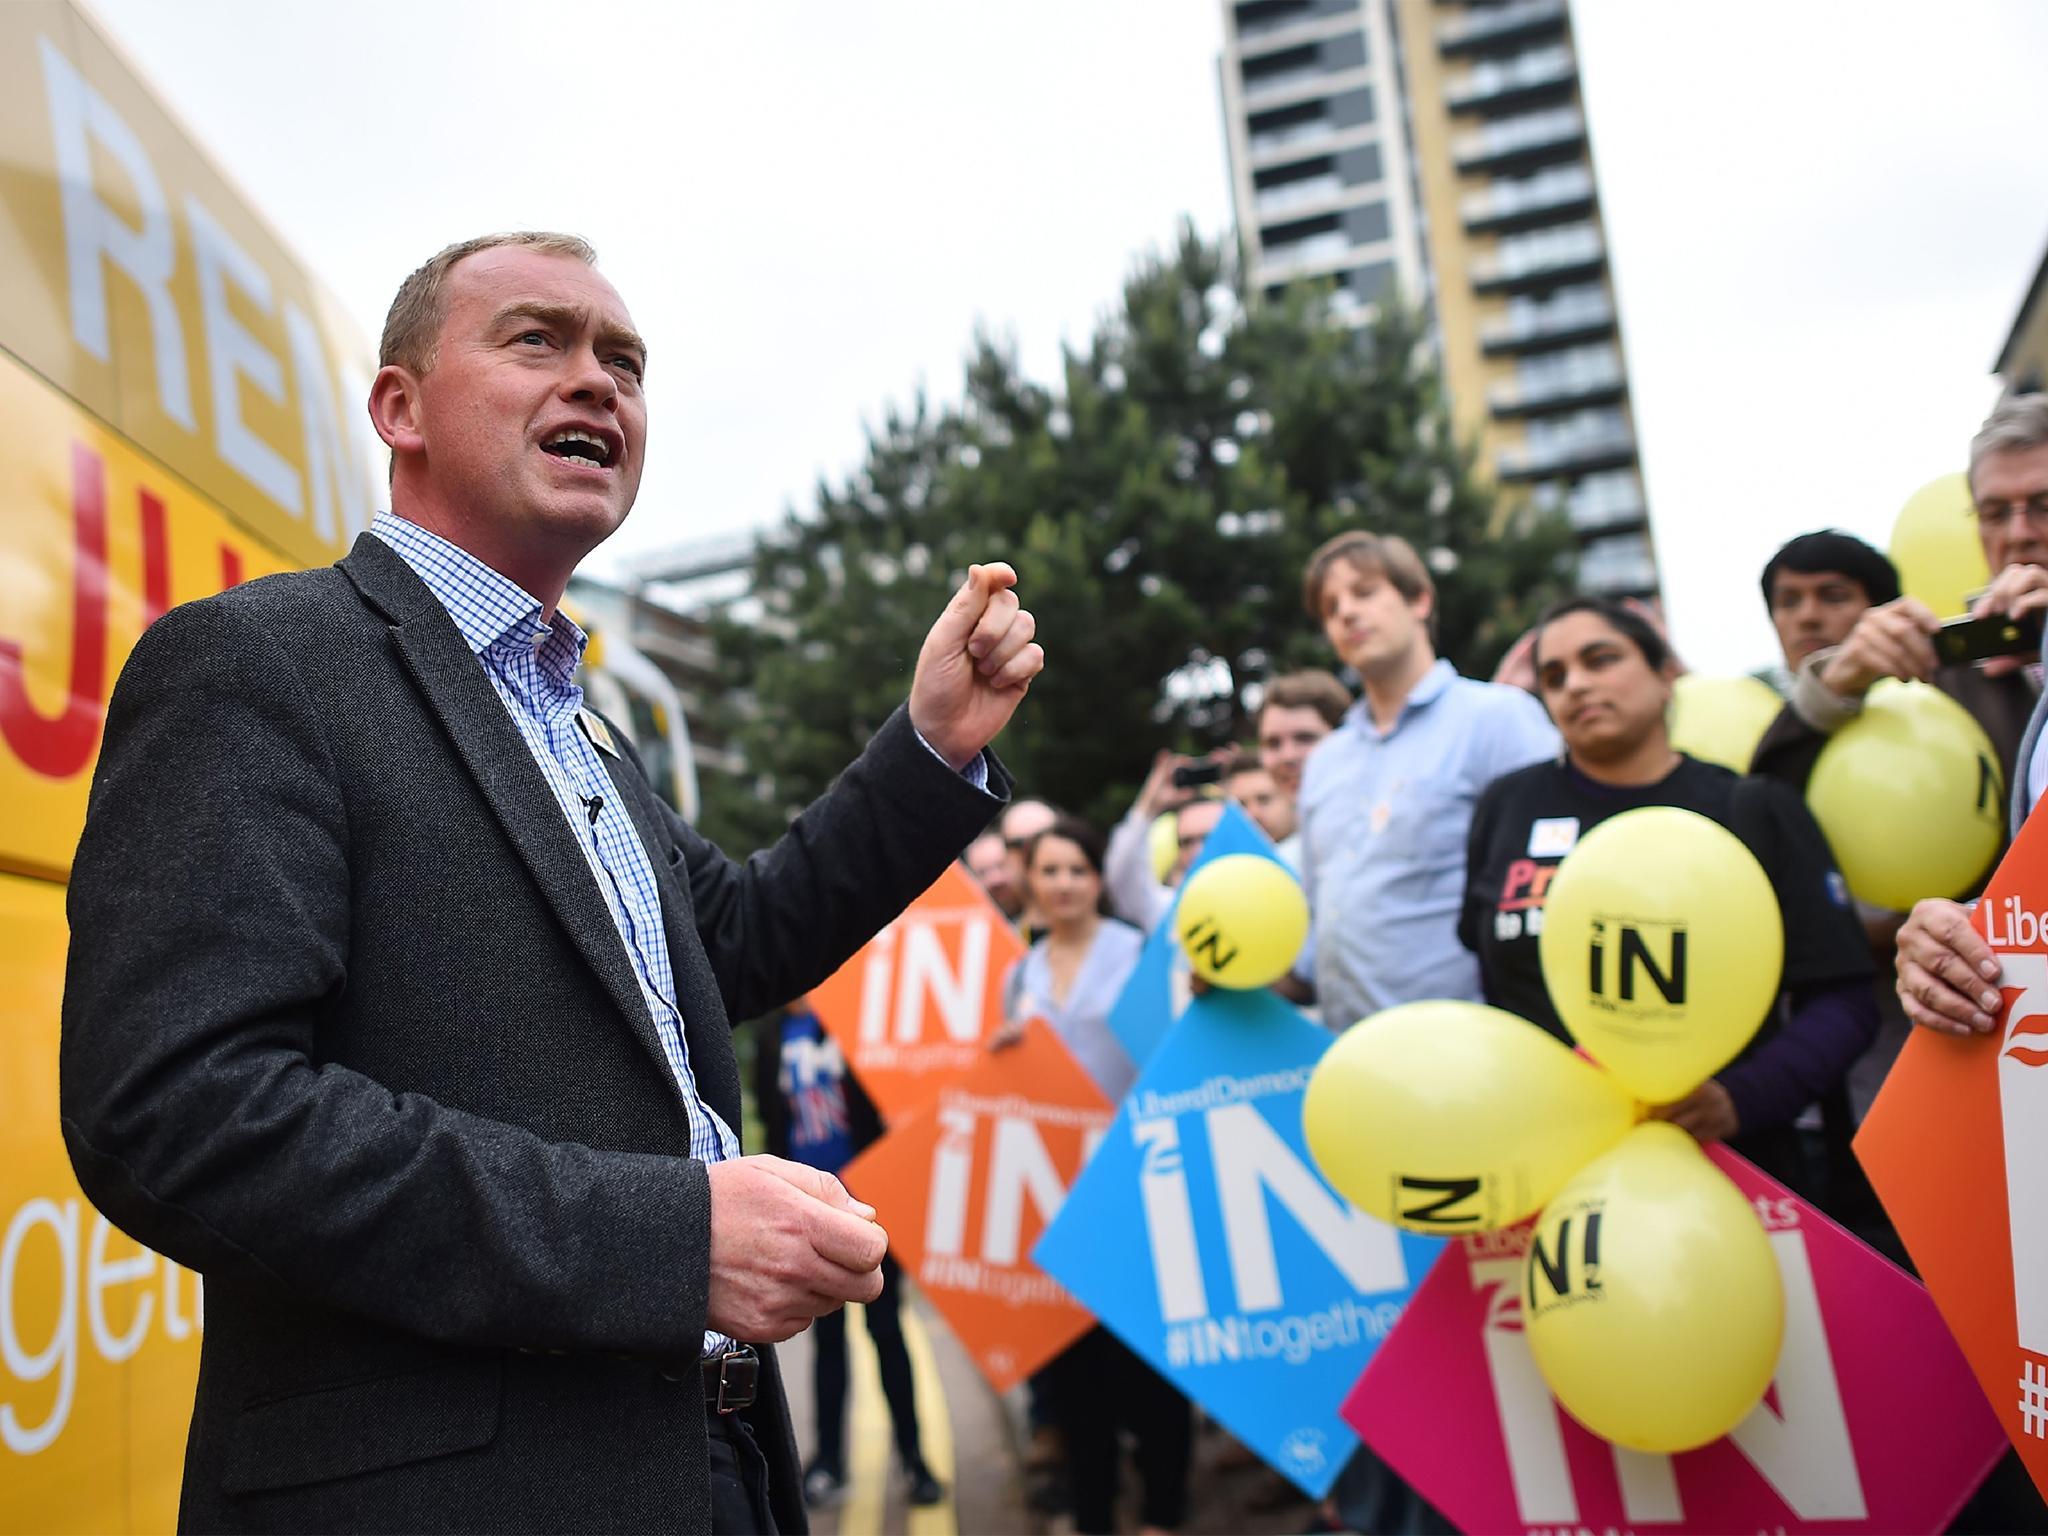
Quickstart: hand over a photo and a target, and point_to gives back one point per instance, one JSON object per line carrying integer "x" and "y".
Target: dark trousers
{"x": 828, "y": 1375}
{"x": 1099, "y": 1390}
{"x": 739, "y": 1478}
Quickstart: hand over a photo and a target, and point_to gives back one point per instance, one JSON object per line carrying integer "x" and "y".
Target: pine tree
{"x": 1159, "y": 506}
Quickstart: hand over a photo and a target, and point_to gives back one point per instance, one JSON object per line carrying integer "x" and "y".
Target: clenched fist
{"x": 975, "y": 666}
{"x": 788, "y": 1244}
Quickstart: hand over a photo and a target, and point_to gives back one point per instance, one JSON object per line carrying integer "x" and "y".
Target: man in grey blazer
{"x": 1947, "y": 975}
{"x": 397, "y": 1002}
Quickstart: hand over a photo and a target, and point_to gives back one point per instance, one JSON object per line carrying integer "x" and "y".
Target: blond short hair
{"x": 412, "y": 327}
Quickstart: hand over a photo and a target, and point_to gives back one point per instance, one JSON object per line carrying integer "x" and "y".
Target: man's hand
{"x": 975, "y": 666}
{"x": 1707, "y": 1114}
{"x": 788, "y": 1244}
{"x": 1156, "y": 796}
{"x": 1160, "y": 794}
{"x": 2015, "y": 592}
{"x": 1006, "y": 1034}
{"x": 1892, "y": 640}
{"x": 1948, "y": 977}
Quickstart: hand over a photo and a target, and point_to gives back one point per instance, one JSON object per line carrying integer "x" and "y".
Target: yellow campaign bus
{"x": 181, "y": 408}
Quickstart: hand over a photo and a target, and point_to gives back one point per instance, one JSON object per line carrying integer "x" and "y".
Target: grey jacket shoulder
{"x": 285, "y": 603}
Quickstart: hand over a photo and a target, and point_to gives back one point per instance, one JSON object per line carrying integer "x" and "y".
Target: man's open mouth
{"x": 575, "y": 446}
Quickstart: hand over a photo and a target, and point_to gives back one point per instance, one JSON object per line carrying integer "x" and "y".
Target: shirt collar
{"x": 488, "y": 608}
{"x": 1427, "y": 690}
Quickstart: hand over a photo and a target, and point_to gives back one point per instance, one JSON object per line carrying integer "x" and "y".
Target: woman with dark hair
{"x": 1071, "y": 975}
{"x": 1097, "y": 1388}
{"x": 1603, "y": 672}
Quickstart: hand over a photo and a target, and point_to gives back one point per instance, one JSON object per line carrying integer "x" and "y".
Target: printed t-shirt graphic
{"x": 812, "y": 1080}
{"x": 1527, "y": 823}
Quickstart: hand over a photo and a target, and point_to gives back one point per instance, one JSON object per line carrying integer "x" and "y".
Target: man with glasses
{"x": 1942, "y": 960}
{"x": 2009, "y": 486}
{"x": 1948, "y": 977}
{"x": 1138, "y": 893}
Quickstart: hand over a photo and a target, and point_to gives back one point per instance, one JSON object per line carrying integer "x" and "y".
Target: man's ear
{"x": 1424, "y": 604}
{"x": 395, "y": 409}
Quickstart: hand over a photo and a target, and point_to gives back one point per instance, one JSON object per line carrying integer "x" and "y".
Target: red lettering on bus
{"x": 59, "y": 746}
{"x": 156, "y": 559}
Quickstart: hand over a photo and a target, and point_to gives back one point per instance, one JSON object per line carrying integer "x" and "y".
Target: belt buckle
{"x": 738, "y": 1371}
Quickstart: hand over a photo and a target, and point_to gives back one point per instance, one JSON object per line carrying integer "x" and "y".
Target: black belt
{"x": 730, "y": 1379}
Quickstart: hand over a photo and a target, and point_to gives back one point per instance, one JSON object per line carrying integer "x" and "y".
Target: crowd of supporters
{"x": 1424, "y": 811}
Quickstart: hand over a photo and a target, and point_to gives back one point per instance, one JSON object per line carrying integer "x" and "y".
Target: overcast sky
{"x": 1823, "y": 214}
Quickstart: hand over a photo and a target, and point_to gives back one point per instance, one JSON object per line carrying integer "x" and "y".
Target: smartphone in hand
{"x": 1967, "y": 639}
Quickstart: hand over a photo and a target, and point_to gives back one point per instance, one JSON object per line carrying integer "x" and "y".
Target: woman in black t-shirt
{"x": 1601, "y": 671}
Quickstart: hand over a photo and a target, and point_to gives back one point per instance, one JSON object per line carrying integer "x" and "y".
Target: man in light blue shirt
{"x": 1386, "y": 798}
{"x": 1386, "y": 806}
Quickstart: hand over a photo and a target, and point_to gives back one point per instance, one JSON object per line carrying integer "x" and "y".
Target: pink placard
{"x": 1874, "y": 1422}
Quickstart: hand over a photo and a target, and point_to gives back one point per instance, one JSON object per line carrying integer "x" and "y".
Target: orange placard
{"x": 1956, "y": 1146}
{"x": 966, "y": 1187}
{"x": 914, "y": 1008}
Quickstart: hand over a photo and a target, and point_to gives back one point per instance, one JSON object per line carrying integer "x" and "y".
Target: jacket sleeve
{"x": 780, "y": 923}
{"x": 210, "y": 935}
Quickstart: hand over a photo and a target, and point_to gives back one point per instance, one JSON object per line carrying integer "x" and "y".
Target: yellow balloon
{"x": 1651, "y": 1298}
{"x": 1662, "y": 947}
{"x": 1242, "y": 919}
{"x": 1455, "y": 1117}
{"x": 1910, "y": 796}
{"x": 1721, "y": 719}
{"x": 1162, "y": 842}
{"x": 1936, "y": 548}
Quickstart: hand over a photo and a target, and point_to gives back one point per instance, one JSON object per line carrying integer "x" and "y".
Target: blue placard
{"x": 1157, "y": 991}
{"x": 1202, "y": 1235}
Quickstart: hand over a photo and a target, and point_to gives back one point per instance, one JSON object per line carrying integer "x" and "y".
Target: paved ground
{"x": 974, "y": 1442}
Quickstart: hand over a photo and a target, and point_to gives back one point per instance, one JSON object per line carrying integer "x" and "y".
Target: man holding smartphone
{"x": 1972, "y": 662}
{"x": 1184, "y": 787}
{"x": 1947, "y": 977}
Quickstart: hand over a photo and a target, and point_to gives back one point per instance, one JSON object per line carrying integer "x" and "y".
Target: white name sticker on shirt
{"x": 599, "y": 733}
{"x": 1552, "y": 837}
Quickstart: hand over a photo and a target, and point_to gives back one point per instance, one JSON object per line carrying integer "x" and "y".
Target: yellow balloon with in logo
{"x": 1651, "y": 1297}
{"x": 1242, "y": 919}
{"x": 1662, "y": 947}
{"x": 1452, "y": 1117}
{"x": 1910, "y": 796}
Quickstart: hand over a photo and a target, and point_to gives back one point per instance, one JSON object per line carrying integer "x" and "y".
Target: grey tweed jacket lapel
{"x": 489, "y": 745}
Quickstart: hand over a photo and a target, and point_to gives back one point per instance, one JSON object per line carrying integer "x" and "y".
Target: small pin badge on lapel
{"x": 599, "y": 733}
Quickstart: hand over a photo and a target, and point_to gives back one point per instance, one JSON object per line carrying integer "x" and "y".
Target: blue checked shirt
{"x": 1385, "y": 816}
{"x": 532, "y": 665}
